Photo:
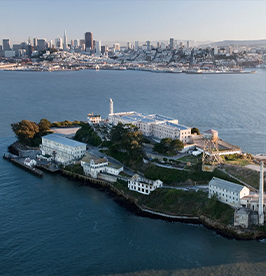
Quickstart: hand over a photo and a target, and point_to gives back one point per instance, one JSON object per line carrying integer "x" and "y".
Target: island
{"x": 153, "y": 166}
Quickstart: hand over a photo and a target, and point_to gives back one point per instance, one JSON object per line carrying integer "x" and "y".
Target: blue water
{"x": 52, "y": 226}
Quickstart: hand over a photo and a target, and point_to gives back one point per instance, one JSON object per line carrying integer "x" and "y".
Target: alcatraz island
{"x": 153, "y": 166}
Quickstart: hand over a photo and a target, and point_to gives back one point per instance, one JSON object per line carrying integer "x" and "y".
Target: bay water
{"x": 52, "y": 226}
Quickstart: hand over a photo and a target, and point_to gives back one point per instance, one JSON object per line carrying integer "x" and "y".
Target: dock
{"x": 18, "y": 163}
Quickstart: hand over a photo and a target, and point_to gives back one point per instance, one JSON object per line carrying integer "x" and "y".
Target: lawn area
{"x": 190, "y": 158}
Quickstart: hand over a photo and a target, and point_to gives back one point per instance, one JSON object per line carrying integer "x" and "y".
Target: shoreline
{"x": 130, "y": 203}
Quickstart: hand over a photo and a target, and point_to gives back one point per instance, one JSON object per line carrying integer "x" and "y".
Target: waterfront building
{"x": 41, "y": 43}
{"x": 227, "y": 192}
{"x": 6, "y": 45}
{"x": 93, "y": 119}
{"x": 143, "y": 185}
{"x": 65, "y": 151}
{"x": 88, "y": 41}
{"x": 93, "y": 165}
{"x": 98, "y": 48}
{"x": 65, "y": 42}
{"x": 154, "y": 125}
{"x": 171, "y": 43}
{"x": 1, "y": 50}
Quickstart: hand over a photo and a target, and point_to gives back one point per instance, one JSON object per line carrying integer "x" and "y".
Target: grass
{"x": 189, "y": 158}
{"x": 249, "y": 176}
{"x": 189, "y": 203}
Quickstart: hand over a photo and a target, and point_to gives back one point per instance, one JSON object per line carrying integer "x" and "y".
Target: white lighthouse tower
{"x": 111, "y": 107}
{"x": 261, "y": 214}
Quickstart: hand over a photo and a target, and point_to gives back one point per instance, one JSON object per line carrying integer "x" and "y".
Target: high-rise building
{"x": 41, "y": 43}
{"x": 148, "y": 45}
{"x": 188, "y": 44}
{"x": 116, "y": 47}
{"x": 1, "y": 50}
{"x": 81, "y": 41}
{"x": 76, "y": 42}
{"x": 88, "y": 41}
{"x": 98, "y": 48}
{"x": 72, "y": 42}
{"x": 129, "y": 45}
{"x": 35, "y": 42}
{"x": 58, "y": 43}
{"x": 6, "y": 45}
{"x": 65, "y": 42}
{"x": 171, "y": 43}
{"x": 136, "y": 45}
{"x": 104, "y": 49}
{"x": 158, "y": 45}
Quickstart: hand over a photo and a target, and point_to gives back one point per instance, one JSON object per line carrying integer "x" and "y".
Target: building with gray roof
{"x": 66, "y": 151}
{"x": 157, "y": 126}
{"x": 227, "y": 192}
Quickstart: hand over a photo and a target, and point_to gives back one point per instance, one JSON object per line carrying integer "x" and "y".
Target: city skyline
{"x": 133, "y": 20}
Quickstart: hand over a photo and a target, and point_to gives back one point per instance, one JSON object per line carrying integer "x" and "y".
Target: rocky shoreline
{"x": 131, "y": 204}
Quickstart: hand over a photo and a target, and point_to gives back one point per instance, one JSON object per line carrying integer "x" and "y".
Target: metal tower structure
{"x": 210, "y": 157}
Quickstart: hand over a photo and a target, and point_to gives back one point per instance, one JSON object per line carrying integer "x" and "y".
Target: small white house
{"x": 143, "y": 185}
{"x": 93, "y": 165}
{"x": 30, "y": 162}
{"x": 227, "y": 192}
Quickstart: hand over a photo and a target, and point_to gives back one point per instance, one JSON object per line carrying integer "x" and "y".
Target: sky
{"x": 131, "y": 20}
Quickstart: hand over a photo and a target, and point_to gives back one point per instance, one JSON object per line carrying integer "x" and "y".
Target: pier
{"x": 17, "y": 162}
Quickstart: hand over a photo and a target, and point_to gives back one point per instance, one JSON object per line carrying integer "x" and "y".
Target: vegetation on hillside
{"x": 86, "y": 134}
{"x": 126, "y": 145}
{"x": 167, "y": 146}
{"x": 189, "y": 203}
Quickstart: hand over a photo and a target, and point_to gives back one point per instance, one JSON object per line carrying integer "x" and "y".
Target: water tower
{"x": 210, "y": 156}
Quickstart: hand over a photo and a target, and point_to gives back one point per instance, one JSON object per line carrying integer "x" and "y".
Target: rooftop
{"x": 58, "y": 138}
{"x": 227, "y": 185}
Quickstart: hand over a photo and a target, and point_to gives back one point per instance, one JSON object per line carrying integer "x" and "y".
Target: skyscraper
{"x": 65, "y": 41}
{"x": 88, "y": 41}
{"x": 58, "y": 43}
{"x": 136, "y": 45}
{"x": 6, "y": 45}
{"x": 171, "y": 43}
{"x": 98, "y": 48}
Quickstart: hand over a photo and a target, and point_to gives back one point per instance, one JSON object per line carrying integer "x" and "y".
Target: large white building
{"x": 93, "y": 165}
{"x": 66, "y": 151}
{"x": 154, "y": 125}
{"x": 227, "y": 192}
{"x": 143, "y": 185}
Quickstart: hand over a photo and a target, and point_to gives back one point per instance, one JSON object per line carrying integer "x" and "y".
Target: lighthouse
{"x": 111, "y": 107}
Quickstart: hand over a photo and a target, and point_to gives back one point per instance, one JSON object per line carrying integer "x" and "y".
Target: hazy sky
{"x": 130, "y": 20}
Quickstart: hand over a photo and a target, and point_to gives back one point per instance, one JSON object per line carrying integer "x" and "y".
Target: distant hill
{"x": 238, "y": 42}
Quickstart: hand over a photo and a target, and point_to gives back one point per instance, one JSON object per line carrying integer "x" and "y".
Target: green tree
{"x": 176, "y": 145}
{"x": 25, "y": 130}
{"x": 44, "y": 125}
{"x": 195, "y": 130}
